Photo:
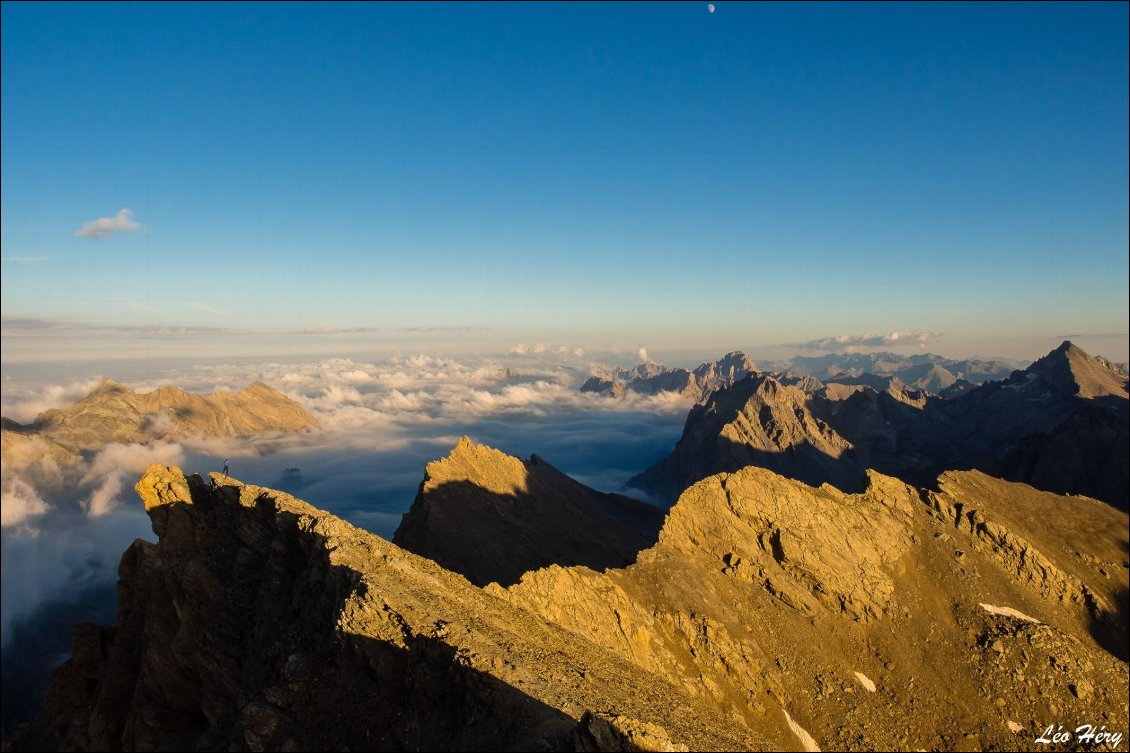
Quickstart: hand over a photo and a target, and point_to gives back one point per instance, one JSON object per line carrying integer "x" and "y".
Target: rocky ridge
{"x": 1062, "y": 425}
{"x": 866, "y": 617}
{"x": 258, "y": 622}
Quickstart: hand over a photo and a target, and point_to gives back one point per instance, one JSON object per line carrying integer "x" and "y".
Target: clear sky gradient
{"x": 467, "y": 177}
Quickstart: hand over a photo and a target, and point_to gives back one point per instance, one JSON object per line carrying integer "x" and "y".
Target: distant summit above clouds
{"x": 928, "y": 372}
{"x": 1059, "y": 425}
{"x": 652, "y": 378}
{"x": 113, "y": 413}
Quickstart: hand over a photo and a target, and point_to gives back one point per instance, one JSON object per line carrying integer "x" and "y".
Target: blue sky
{"x": 466, "y": 177}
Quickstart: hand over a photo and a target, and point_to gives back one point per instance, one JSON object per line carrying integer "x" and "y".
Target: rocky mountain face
{"x": 1061, "y": 425}
{"x": 758, "y": 422}
{"x": 492, "y": 517}
{"x": 769, "y": 614}
{"x": 258, "y": 622}
{"x": 892, "y": 619}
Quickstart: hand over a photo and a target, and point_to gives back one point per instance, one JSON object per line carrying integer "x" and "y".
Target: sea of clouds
{"x": 380, "y": 423}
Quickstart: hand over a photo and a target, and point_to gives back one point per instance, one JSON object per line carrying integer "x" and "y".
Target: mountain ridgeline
{"x": 845, "y": 565}
{"x": 60, "y": 438}
{"x": 768, "y": 615}
{"x": 1059, "y": 425}
{"x": 926, "y": 372}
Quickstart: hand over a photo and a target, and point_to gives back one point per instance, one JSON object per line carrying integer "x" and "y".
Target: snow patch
{"x": 807, "y": 744}
{"x": 1009, "y": 612}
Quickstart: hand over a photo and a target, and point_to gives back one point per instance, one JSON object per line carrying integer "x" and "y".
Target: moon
{"x": 710, "y": 7}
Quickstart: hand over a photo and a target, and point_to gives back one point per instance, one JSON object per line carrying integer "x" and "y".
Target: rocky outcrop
{"x": 258, "y": 622}
{"x": 856, "y": 620}
{"x": 769, "y": 615}
{"x": 757, "y": 422}
{"x": 492, "y": 517}
{"x": 1061, "y": 425}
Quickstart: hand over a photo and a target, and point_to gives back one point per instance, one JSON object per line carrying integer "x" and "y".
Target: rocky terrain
{"x": 770, "y": 614}
{"x": 492, "y": 517}
{"x": 879, "y": 620}
{"x": 258, "y": 622}
{"x": 1061, "y": 425}
{"x": 842, "y": 567}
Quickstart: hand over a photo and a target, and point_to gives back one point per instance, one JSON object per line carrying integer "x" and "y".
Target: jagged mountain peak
{"x": 491, "y": 517}
{"x": 486, "y": 467}
{"x": 1070, "y": 370}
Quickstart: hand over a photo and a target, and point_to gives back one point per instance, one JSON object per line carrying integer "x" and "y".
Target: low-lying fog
{"x": 380, "y": 425}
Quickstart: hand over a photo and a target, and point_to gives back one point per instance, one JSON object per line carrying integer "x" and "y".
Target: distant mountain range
{"x": 927, "y": 372}
{"x": 58, "y": 438}
{"x": 842, "y": 567}
{"x": 1059, "y": 425}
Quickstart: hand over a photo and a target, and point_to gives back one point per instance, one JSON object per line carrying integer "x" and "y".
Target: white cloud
{"x": 102, "y": 227}
{"x": 105, "y": 497}
{"x": 19, "y": 502}
{"x": 643, "y": 355}
{"x": 132, "y": 459}
{"x": 24, "y": 405}
{"x": 919, "y": 338}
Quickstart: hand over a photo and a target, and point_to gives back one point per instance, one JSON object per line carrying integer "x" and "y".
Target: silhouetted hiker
{"x": 225, "y": 468}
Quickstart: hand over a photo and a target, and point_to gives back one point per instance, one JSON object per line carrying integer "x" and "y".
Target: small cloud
{"x": 643, "y": 355}
{"x": 579, "y": 352}
{"x": 122, "y": 222}
{"x": 520, "y": 349}
{"x": 919, "y": 338}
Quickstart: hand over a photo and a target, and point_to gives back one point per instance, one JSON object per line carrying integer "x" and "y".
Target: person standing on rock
{"x": 225, "y": 467}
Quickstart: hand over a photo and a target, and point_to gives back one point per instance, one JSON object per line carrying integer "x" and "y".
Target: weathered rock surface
{"x": 261, "y": 623}
{"x": 771, "y": 598}
{"x": 760, "y": 422}
{"x": 492, "y": 517}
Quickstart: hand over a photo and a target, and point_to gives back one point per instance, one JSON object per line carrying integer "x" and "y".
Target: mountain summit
{"x": 1061, "y": 425}
{"x": 492, "y": 517}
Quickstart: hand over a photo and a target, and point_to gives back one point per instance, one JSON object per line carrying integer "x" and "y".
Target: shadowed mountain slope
{"x": 1060, "y": 425}
{"x": 261, "y": 623}
{"x": 492, "y": 517}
